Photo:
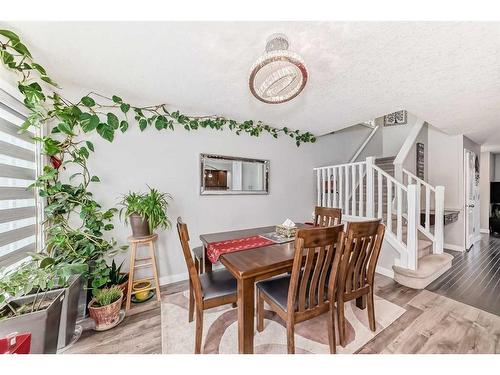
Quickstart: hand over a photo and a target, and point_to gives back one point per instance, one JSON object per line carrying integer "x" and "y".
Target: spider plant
{"x": 151, "y": 206}
{"x": 154, "y": 206}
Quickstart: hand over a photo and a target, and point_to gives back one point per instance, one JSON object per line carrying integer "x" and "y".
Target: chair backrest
{"x": 361, "y": 249}
{"x": 309, "y": 278}
{"x": 188, "y": 257}
{"x": 327, "y": 216}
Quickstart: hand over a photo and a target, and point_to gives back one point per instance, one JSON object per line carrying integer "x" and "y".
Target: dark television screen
{"x": 495, "y": 192}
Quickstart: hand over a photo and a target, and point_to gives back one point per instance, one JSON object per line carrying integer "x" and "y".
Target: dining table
{"x": 248, "y": 267}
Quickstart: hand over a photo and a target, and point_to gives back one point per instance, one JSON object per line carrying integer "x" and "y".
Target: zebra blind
{"x": 18, "y": 166}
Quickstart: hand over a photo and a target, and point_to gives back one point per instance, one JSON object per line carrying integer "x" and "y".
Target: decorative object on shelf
{"x": 104, "y": 308}
{"x": 279, "y": 75}
{"x": 420, "y": 161}
{"x": 149, "y": 261}
{"x": 146, "y": 212}
{"x": 396, "y": 118}
{"x": 287, "y": 229}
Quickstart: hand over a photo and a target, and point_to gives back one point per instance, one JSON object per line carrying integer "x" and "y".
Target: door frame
{"x": 474, "y": 236}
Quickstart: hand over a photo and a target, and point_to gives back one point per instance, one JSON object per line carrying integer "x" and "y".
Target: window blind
{"x": 18, "y": 169}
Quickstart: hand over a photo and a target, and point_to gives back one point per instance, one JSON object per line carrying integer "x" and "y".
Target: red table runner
{"x": 216, "y": 249}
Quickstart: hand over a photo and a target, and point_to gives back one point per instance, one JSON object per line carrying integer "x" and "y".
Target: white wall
{"x": 169, "y": 161}
{"x": 410, "y": 163}
{"x": 445, "y": 167}
{"x": 394, "y": 136}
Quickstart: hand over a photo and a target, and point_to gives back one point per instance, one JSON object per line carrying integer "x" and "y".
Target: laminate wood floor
{"x": 474, "y": 277}
{"x": 432, "y": 323}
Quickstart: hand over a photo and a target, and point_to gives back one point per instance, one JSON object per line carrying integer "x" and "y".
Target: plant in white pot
{"x": 104, "y": 308}
{"x": 146, "y": 212}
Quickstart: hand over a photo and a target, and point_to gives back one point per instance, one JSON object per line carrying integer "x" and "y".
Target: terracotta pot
{"x": 140, "y": 226}
{"x": 105, "y": 317}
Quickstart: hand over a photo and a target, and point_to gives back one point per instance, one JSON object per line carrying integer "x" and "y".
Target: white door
{"x": 471, "y": 174}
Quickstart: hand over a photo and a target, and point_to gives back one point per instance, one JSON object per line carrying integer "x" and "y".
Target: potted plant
{"x": 146, "y": 212}
{"x": 104, "y": 308}
{"x": 30, "y": 301}
{"x": 119, "y": 278}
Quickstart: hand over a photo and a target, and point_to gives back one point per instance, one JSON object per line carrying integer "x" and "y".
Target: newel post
{"x": 413, "y": 222}
{"x": 439, "y": 221}
{"x": 370, "y": 161}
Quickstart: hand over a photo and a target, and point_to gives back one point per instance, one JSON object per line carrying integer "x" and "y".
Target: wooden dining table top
{"x": 256, "y": 261}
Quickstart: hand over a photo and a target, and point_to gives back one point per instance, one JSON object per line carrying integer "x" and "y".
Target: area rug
{"x": 220, "y": 329}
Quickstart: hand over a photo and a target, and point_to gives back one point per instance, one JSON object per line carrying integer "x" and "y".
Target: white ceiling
{"x": 447, "y": 73}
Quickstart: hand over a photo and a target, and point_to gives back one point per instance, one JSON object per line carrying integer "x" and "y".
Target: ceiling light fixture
{"x": 279, "y": 75}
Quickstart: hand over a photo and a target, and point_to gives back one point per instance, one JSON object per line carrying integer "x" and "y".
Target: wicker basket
{"x": 285, "y": 231}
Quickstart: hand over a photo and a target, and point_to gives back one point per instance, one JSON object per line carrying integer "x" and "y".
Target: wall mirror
{"x": 221, "y": 175}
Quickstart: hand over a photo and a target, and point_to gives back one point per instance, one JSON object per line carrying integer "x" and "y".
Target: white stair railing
{"x": 363, "y": 190}
{"x": 432, "y": 201}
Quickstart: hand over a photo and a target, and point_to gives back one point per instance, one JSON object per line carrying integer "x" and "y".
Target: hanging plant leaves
{"x": 88, "y": 101}
{"x": 106, "y": 131}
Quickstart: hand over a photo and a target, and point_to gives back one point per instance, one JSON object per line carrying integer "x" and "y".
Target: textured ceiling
{"x": 445, "y": 73}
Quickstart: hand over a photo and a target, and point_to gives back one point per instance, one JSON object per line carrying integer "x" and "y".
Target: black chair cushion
{"x": 198, "y": 252}
{"x": 276, "y": 289}
{"x": 217, "y": 284}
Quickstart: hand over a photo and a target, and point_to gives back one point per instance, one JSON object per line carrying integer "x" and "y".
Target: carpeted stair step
{"x": 430, "y": 267}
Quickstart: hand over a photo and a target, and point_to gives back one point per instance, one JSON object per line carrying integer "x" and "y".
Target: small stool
{"x": 135, "y": 242}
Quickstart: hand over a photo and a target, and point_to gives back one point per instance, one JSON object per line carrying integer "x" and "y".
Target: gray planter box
{"x": 69, "y": 312}
{"x": 43, "y": 325}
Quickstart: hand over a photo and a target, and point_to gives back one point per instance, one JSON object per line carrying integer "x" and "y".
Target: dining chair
{"x": 361, "y": 249}
{"x": 207, "y": 290}
{"x": 309, "y": 290}
{"x": 327, "y": 216}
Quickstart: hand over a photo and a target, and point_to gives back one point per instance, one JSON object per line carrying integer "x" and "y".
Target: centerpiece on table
{"x": 287, "y": 229}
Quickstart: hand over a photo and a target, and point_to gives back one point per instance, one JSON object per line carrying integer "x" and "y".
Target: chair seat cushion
{"x": 217, "y": 284}
{"x": 276, "y": 289}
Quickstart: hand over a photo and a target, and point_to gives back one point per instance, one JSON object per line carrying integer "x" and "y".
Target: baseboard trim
{"x": 169, "y": 279}
{"x": 485, "y": 231}
{"x": 385, "y": 271}
{"x": 450, "y": 246}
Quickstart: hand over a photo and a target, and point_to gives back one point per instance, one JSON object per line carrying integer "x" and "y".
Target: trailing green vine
{"x": 68, "y": 198}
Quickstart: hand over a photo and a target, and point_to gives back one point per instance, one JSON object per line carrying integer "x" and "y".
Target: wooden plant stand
{"x": 135, "y": 263}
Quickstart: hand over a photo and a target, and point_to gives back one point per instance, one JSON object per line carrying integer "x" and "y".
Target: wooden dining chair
{"x": 327, "y": 216}
{"x": 309, "y": 290}
{"x": 361, "y": 249}
{"x": 207, "y": 290}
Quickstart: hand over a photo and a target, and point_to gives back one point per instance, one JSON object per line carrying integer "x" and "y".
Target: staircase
{"x": 369, "y": 189}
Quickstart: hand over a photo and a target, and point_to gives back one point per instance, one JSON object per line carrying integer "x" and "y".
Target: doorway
{"x": 472, "y": 210}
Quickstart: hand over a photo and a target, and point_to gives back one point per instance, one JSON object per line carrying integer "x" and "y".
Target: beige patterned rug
{"x": 220, "y": 331}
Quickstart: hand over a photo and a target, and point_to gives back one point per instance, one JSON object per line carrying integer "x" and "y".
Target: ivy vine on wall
{"x": 69, "y": 197}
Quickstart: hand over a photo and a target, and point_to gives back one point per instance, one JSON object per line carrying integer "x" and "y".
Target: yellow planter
{"x": 141, "y": 289}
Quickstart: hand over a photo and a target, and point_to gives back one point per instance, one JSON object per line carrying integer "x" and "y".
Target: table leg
{"x": 246, "y": 304}
{"x": 207, "y": 264}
